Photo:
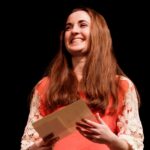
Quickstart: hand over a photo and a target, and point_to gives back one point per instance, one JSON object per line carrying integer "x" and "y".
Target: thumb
{"x": 99, "y": 119}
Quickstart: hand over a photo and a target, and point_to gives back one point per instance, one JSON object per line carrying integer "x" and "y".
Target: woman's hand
{"x": 46, "y": 143}
{"x": 96, "y": 132}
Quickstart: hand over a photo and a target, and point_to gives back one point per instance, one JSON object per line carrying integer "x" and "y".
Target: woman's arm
{"x": 101, "y": 133}
{"x": 129, "y": 123}
{"x": 30, "y": 135}
{"x": 30, "y": 139}
{"x": 130, "y": 132}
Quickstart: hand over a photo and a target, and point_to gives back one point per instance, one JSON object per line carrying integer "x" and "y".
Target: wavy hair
{"x": 99, "y": 80}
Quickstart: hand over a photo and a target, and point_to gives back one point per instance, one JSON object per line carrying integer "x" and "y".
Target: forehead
{"x": 78, "y": 15}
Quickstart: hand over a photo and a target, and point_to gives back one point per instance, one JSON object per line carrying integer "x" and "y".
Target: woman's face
{"x": 77, "y": 33}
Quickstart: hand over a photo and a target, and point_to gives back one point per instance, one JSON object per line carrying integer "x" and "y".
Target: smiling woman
{"x": 77, "y": 33}
{"x": 85, "y": 68}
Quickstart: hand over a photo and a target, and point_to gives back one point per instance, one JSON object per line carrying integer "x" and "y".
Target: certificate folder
{"x": 63, "y": 122}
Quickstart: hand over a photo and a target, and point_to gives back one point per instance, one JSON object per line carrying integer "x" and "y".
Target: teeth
{"x": 76, "y": 40}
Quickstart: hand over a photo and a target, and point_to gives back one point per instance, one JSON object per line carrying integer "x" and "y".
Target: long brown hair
{"x": 99, "y": 74}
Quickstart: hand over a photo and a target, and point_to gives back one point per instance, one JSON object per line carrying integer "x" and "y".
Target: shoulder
{"x": 42, "y": 85}
{"x": 127, "y": 91}
{"x": 125, "y": 84}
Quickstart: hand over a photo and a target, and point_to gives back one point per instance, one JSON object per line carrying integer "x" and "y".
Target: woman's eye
{"x": 83, "y": 25}
{"x": 67, "y": 28}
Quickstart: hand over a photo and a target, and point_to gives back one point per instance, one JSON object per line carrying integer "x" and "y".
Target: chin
{"x": 77, "y": 52}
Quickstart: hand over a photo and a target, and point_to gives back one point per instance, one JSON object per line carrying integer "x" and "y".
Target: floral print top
{"x": 125, "y": 123}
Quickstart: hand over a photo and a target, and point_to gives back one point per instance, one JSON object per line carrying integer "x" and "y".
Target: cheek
{"x": 66, "y": 36}
{"x": 88, "y": 34}
{"x": 88, "y": 37}
{"x": 66, "y": 39}
{"x": 88, "y": 40}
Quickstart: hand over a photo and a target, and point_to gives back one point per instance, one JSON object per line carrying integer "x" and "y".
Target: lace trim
{"x": 30, "y": 135}
{"x": 129, "y": 124}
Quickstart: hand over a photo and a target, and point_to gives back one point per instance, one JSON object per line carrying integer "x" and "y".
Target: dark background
{"x": 30, "y": 40}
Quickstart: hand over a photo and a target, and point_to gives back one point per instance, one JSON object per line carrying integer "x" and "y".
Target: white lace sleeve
{"x": 129, "y": 123}
{"x": 30, "y": 135}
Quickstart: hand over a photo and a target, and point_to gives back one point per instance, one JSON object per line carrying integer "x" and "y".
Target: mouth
{"x": 76, "y": 40}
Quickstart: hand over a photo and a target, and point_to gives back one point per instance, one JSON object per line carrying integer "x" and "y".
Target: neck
{"x": 78, "y": 64}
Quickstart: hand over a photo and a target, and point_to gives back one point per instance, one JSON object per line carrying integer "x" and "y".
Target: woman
{"x": 85, "y": 68}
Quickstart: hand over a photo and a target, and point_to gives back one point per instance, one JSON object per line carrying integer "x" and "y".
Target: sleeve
{"x": 30, "y": 135}
{"x": 129, "y": 123}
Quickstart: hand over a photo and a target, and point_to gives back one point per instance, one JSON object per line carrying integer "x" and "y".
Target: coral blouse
{"x": 125, "y": 123}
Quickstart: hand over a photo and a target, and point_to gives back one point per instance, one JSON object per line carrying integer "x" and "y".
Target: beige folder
{"x": 63, "y": 122}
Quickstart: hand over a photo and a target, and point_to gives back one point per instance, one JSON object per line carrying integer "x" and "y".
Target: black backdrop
{"x": 31, "y": 34}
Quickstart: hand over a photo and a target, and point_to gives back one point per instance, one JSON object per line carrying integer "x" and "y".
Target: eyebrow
{"x": 80, "y": 21}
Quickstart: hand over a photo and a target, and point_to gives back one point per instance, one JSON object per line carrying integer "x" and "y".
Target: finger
{"x": 93, "y": 138}
{"x": 90, "y": 123}
{"x": 99, "y": 119}
{"x": 89, "y": 131}
{"x": 50, "y": 142}
{"x": 89, "y": 135}
{"x": 51, "y": 135}
{"x": 53, "y": 141}
{"x": 81, "y": 130}
{"x": 84, "y": 132}
{"x": 83, "y": 125}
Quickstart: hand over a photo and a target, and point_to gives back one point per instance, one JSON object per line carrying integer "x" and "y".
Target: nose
{"x": 75, "y": 29}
